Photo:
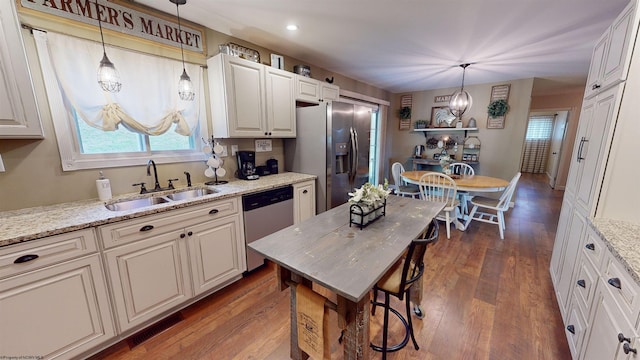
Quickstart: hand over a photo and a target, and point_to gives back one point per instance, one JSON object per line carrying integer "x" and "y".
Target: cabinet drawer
{"x": 622, "y": 286}
{"x": 46, "y": 251}
{"x": 594, "y": 248}
{"x": 575, "y": 330}
{"x": 151, "y": 225}
{"x": 585, "y": 284}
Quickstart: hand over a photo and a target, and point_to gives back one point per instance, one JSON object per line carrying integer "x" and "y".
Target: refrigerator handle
{"x": 355, "y": 154}
{"x": 352, "y": 155}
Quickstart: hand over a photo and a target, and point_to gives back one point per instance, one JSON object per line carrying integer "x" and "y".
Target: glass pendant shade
{"x": 108, "y": 76}
{"x": 185, "y": 87}
{"x": 461, "y": 100}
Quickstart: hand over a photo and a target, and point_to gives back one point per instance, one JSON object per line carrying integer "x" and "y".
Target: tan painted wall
{"x": 567, "y": 101}
{"x": 501, "y": 149}
{"x": 34, "y": 175}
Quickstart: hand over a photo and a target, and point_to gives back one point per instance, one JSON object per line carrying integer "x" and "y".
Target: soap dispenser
{"x": 104, "y": 187}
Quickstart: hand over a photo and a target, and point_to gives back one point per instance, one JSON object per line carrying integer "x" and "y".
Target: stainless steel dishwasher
{"x": 265, "y": 212}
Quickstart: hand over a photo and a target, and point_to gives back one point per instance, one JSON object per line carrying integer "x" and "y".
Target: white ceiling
{"x": 412, "y": 45}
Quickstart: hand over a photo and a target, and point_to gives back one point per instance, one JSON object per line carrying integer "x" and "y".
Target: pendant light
{"x": 185, "y": 86}
{"x": 460, "y": 100}
{"x": 108, "y": 76}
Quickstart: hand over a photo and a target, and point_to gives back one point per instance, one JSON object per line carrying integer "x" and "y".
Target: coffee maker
{"x": 247, "y": 165}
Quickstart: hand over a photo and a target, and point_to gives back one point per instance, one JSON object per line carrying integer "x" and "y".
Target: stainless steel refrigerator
{"x": 332, "y": 142}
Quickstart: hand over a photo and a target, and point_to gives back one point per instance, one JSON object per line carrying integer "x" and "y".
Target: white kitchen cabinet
{"x": 573, "y": 240}
{"x": 216, "y": 252}
{"x": 304, "y": 201}
{"x": 55, "y": 305}
{"x": 19, "y": 116}
{"x": 314, "y": 91}
{"x": 608, "y": 321}
{"x": 148, "y": 277}
{"x": 593, "y": 148}
{"x": 612, "y": 54}
{"x": 280, "y": 101}
{"x": 249, "y": 99}
{"x": 158, "y": 263}
{"x": 600, "y": 184}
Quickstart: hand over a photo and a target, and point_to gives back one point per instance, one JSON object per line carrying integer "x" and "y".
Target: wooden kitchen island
{"x": 346, "y": 260}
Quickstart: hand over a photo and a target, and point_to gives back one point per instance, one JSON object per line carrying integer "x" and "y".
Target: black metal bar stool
{"x": 397, "y": 282}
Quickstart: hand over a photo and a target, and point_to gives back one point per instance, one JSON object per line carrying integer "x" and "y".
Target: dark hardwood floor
{"x": 484, "y": 298}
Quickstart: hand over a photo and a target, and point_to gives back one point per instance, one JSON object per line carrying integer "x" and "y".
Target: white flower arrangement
{"x": 370, "y": 194}
{"x": 368, "y": 203}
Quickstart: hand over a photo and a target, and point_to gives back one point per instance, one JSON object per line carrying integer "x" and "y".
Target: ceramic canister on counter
{"x": 272, "y": 166}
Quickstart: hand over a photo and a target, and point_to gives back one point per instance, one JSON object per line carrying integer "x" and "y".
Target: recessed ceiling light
{"x": 292, "y": 27}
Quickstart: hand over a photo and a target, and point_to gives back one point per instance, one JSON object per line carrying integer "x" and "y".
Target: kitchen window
{"x": 97, "y": 129}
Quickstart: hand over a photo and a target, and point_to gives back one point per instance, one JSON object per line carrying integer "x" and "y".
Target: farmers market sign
{"x": 122, "y": 19}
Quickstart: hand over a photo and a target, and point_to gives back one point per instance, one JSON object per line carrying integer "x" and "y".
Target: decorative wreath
{"x": 405, "y": 112}
{"x": 498, "y": 108}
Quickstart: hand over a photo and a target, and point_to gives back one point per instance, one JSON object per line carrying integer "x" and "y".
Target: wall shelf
{"x": 445, "y": 130}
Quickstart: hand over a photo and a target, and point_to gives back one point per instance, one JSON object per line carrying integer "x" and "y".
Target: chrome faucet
{"x": 155, "y": 174}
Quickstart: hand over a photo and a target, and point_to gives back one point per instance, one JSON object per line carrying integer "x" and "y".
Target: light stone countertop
{"x": 32, "y": 223}
{"x": 623, "y": 240}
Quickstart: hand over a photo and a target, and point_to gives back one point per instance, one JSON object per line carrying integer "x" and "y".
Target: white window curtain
{"x": 148, "y": 102}
{"x": 537, "y": 143}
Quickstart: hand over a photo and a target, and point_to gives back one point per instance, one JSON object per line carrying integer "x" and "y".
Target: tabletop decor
{"x": 368, "y": 203}
{"x": 445, "y": 161}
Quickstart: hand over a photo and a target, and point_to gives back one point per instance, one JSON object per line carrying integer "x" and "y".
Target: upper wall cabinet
{"x": 314, "y": 91}
{"x": 612, "y": 53}
{"x": 19, "y": 116}
{"x": 249, "y": 99}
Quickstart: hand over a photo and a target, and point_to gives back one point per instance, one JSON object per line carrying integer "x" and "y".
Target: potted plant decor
{"x": 420, "y": 124}
{"x": 498, "y": 108}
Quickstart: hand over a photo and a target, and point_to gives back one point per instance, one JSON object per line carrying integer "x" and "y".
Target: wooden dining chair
{"x": 398, "y": 282}
{"x": 459, "y": 168}
{"x": 439, "y": 187}
{"x": 401, "y": 188}
{"x": 498, "y": 207}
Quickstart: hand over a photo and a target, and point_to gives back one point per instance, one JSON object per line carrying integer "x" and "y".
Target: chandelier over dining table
{"x": 461, "y": 100}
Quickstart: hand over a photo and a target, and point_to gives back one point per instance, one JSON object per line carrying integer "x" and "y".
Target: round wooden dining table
{"x": 472, "y": 183}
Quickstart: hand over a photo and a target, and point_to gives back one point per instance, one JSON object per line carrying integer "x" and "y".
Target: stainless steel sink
{"x": 136, "y": 203}
{"x": 156, "y": 199}
{"x": 190, "y": 194}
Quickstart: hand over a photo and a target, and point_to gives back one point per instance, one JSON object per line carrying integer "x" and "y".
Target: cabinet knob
{"x": 590, "y": 247}
{"x": 581, "y": 283}
{"x": 182, "y": 236}
{"x": 190, "y": 233}
{"x": 305, "y": 191}
{"x": 571, "y": 329}
{"x": 595, "y": 87}
{"x": 622, "y": 339}
{"x": 627, "y": 349}
{"x": 25, "y": 258}
{"x": 615, "y": 282}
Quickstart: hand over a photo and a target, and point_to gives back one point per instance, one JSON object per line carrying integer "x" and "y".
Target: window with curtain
{"x": 537, "y": 143}
{"x": 97, "y": 129}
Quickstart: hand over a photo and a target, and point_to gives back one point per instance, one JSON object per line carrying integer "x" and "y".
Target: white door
{"x": 557, "y": 137}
